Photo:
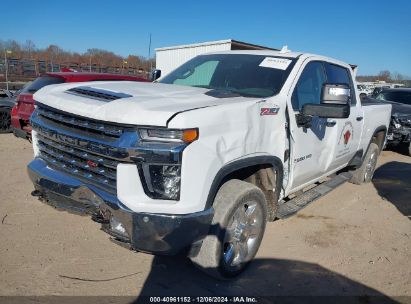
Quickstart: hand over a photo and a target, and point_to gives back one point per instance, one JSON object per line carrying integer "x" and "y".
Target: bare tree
{"x": 385, "y": 75}
{"x": 29, "y": 47}
{"x": 397, "y": 76}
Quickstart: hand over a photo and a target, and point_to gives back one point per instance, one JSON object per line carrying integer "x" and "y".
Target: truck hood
{"x": 400, "y": 109}
{"x": 137, "y": 104}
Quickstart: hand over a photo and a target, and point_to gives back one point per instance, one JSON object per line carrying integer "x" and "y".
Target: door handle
{"x": 330, "y": 123}
{"x": 359, "y": 118}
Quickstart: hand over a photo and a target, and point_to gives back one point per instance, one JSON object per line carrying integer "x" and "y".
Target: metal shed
{"x": 169, "y": 58}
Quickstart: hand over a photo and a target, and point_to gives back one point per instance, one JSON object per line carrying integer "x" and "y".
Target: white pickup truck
{"x": 200, "y": 160}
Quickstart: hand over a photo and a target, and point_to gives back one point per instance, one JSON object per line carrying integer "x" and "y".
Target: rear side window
{"x": 338, "y": 74}
{"x": 40, "y": 82}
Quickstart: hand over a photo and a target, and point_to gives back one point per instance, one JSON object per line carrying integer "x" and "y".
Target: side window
{"x": 338, "y": 74}
{"x": 308, "y": 88}
{"x": 201, "y": 76}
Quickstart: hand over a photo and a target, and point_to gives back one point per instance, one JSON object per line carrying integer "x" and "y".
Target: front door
{"x": 313, "y": 148}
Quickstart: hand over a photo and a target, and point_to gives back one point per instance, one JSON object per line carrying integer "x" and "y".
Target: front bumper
{"x": 148, "y": 232}
{"x": 398, "y": 136}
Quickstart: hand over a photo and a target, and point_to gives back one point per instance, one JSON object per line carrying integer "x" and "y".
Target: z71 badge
{"x": 269, "y": 111}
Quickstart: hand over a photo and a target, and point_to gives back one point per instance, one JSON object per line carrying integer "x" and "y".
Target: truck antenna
{"x": 285, "y": 49}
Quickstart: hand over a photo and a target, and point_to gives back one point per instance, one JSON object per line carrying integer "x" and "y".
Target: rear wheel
{"x": 365, "y": 173}
{"x": 236, "y": 232}
{"x": 5, "y": 120}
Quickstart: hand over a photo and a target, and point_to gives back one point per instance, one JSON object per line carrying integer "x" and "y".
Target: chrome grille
{"x": 97, "y": 170}
{"x": 66, "y": 146}
{"x": 81, "y": 123}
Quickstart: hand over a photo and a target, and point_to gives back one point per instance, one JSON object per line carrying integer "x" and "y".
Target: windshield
{"x": 400, "y": 96}
{"x": 243, "y": 75}
{"x": 40, "y": 82}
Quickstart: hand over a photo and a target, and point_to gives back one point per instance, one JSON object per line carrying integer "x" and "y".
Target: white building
{"x": 169, "y": 58}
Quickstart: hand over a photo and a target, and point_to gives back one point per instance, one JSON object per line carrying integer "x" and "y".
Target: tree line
{"x": 54, "y": 57}
{"x": 386, "y": 76}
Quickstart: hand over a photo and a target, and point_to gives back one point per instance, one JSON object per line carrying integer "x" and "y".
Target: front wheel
{"x": 236, "y": 232}
{"x": 5, "y": 120}
{"x": 365, "y": 173}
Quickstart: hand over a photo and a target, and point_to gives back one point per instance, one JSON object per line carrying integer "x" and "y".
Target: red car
{"x": 20, "y": 114}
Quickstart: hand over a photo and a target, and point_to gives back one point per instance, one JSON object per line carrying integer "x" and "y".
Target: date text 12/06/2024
{"x": 236, "y": 299}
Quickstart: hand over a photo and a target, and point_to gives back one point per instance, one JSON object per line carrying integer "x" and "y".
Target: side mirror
{"x": 155, "y": 74}
{"x": 335, "y": 103}
{"x": 326, "y": 110}
{"x": 335, "y": 94}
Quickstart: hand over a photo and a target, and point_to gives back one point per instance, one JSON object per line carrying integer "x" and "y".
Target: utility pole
{"x": 7, "y": 67}
{"x": 149, "y": 54}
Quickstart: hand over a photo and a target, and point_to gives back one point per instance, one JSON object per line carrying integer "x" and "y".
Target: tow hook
{"x": 36, "y": 193}
{"x": 102, "y": 216}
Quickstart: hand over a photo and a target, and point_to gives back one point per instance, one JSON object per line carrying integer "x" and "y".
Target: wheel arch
{"x": 245, "y": 169}
{"x": 378, "y": 137}
{"x": 7, "y": 104}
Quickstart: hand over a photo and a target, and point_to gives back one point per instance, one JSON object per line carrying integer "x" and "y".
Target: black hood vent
{"x": 98, "y": 94}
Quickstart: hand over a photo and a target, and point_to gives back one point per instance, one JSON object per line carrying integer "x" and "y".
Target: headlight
{"x": 395, "y": 122}
{"x": 169, "y": 135}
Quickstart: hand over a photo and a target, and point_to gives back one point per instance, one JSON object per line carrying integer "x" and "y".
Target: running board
{"x": 286, "y": 209}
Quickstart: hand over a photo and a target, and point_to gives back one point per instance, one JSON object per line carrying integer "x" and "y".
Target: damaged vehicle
{"x": 199, "y": 161}
{"x": 7, "y": 102}
{"x": 399, "y": 132}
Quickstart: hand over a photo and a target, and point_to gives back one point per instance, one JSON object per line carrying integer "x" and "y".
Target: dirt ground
{"x": 354, "y": 241}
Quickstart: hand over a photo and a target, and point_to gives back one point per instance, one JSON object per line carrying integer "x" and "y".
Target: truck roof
{"x": 285, "y": 54}
{"x": 262, "y": 52}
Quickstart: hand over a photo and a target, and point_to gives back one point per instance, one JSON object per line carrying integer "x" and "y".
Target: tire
{"x": 236, "y": 232}
{"x": 5, "y": 120}
{"x": 365, "y": 173}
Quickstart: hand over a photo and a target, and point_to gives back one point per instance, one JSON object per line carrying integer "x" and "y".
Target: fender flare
{"x": 358, "y": 158}
{"x": 377, "y": 130}
{"x": 243, "y": 163}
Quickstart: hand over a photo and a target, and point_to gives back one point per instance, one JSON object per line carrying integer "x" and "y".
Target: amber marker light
{"x": 190, "y": 135}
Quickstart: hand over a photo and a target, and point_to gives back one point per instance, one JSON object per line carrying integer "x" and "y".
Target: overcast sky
{"x": 375, "y": 35}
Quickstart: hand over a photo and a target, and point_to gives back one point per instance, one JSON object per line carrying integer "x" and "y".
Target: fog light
{"x": 172, "y": 186}
{"x": 165, "y": 181}
{"x": 117, "y": 227}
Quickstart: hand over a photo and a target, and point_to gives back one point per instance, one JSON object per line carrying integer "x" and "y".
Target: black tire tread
{"x": 228, "y": 197}
{"x": 5, "y": 110}
{"x": 358, "y": 176}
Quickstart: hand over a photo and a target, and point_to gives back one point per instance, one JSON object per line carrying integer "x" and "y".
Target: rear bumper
{"x": 21, "y": 127}
{"x": 148, "y": 232}
{"x": 20, "y": 133}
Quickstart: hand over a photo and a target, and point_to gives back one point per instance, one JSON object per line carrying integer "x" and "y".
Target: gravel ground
{"x": 354, "y": 241}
